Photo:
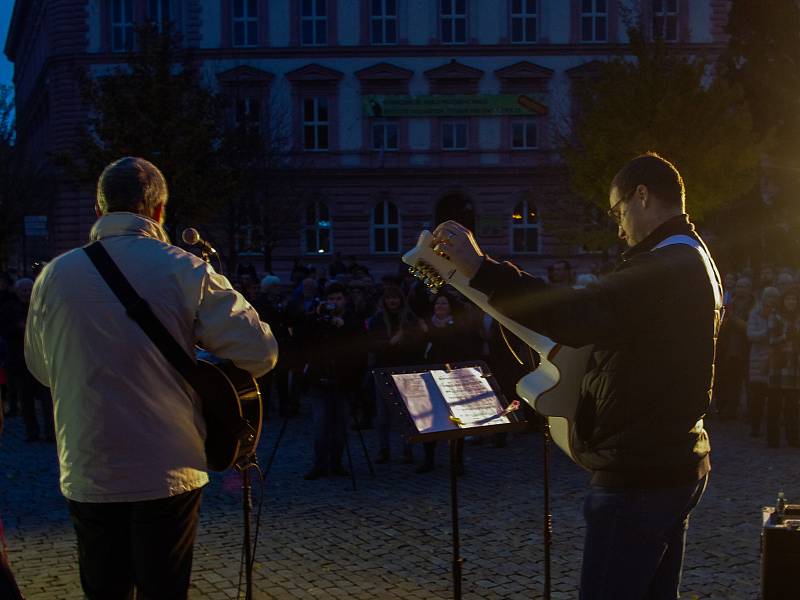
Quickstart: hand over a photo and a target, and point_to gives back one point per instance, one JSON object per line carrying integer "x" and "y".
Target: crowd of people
{"x": 758, "y": 352}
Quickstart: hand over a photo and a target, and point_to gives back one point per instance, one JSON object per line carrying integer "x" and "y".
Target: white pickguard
{"x": 553, "y": 388}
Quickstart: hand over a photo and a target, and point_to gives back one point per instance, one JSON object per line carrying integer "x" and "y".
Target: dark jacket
{"x": 653, "y": 324}
{"x": 336, "y": 355}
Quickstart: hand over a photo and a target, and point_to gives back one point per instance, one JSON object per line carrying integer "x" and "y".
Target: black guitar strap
{"x": 139, "y": 310}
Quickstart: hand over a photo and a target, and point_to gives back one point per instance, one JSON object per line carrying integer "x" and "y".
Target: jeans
{"x": 635, "y": 541}
{"x": 146, "y": 544}
{"x": 330, "y": 411}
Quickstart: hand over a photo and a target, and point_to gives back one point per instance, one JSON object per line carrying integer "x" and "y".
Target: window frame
{"x": 316, "y": 123}
{"x": 454, "y": 123}
{"x": 525, "y": 122}
{"x": 245, "y": 21}
{"x": 664, "y": 14}
{"x": 525, "y": 227}
{"x": 313, "y": 18}
{"x": 384, "y": 227}
{"x": 385, "y": 124}
{"x": 158, "y": 19}
{"x": 524, "y": 16}
{"x": 383, "y": 18}
{"x": 125, "y": 26}
{"x": 593, "y": 15}
{"x": 318, "y": 226}
{"x": 452, "y": 17}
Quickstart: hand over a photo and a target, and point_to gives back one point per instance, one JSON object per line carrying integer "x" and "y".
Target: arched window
{"x": 525, "y": 228}
{"x": 319, "y": 229}
{"x": 385, "y": 228}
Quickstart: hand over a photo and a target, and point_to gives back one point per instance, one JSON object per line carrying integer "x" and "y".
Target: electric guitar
{"x": 552, "y": 389}
{"x": 232, "y": 409}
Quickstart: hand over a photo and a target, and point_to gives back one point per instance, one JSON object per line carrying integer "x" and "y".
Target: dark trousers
{"x": 782, "y": 403}
{"x": 27, "y": 391}
{"x": 757, "y": 395}
{"x": 728, "y": 385}
{"x": 329, "y": 411}
{"x": 147, "y": 545}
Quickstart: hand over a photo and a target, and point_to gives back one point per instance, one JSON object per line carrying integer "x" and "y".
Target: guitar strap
{"x": 140, "y": 312}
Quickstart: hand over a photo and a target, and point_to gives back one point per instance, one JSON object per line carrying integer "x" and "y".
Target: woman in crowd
{"x": 395, "y": 339}
{"x": 758, "y": 335}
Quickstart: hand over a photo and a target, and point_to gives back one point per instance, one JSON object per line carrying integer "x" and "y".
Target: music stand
{"x": 435, "y": 402}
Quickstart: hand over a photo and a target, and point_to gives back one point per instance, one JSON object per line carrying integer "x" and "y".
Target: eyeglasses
{"x": 614, "y": 213}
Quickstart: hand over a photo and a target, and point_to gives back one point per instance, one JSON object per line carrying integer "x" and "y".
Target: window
{"x": 385, "y": 228}
{"x": 314, "y": 23}
{"x": 248, "y": 114}
{"x": 245, "y": 23}
{"x": 665, "y": 20}
{"x": 454, "y": 21}
{"x": 454, "y": 135}
{"x": 384, "y": 135}
{"x": 524, "y": 21}
{"x": 524, "y": 134}
{"x": 158, "y": 13}
{"x": 318, "y": 228}
{"x": 525, "y": 228}
{"x": 121, "y": 25}
{"x": 594, "y": 19}
{"x": 315, "y": 123}
{"x": 383, "y": 21}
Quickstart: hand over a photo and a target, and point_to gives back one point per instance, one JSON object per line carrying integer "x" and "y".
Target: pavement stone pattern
{"x": 391, "y": 538}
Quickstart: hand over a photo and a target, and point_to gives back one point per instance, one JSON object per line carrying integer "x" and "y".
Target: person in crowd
{"x": 560, "y": 273}
{"x": 783, "y": 281}
{"x": 301, "y": 311}
{"x": 271, "y": 308}
{"x": 639, "y": 428}
{"x": 784, "y": 369}
{"x": 130, "y": 431}
{"x": 25, "y": 390}
{"x": 337, "y": 266}
{"x": 728, "y": 285}
{"x": 758, "y": 374}
{"x": 335, "y": 364}
{"x": 766, "y": 278}
{"x": 733, "y": 350}
{"x": 394, "y": 340}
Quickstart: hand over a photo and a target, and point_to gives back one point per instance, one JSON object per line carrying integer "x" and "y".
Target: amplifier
{"x": 780, "y": 553}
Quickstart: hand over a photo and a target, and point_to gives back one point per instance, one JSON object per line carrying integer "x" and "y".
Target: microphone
{"x": 192, "y": 237}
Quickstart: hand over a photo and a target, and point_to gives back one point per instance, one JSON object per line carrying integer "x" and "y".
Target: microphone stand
{"x": 247, "y": 498}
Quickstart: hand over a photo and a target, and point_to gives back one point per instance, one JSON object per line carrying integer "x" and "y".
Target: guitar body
{"x": 553, "y": 389}
{"x": 233, "y": 412}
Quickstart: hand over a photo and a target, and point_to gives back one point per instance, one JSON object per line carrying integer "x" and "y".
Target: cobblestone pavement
{"x": 391, "y": 537}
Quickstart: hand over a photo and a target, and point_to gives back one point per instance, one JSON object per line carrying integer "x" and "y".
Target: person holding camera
{"x": 334, "y": 368}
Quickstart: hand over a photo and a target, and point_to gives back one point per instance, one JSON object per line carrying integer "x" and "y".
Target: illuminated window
{"x": 665, "y": 20}
{"x": 454, "y": 21}
{"x": 121, "y": 25}
{"x": 385, "y": 228}
{"x": 384, "y": 136}
{"x": 454, "y": 135}
{"x": 524, "y": 228}
{"x": 524, "y": 134}
{"x": 315, "y": 123}
{"x": 594, "y": 21}
{"x": 524, "y": 21}
{"x": 383, "y": 21}
{"x": 245, "y": 23}
{"x": 318, "y": 228}
{"x": 314, "y": 23}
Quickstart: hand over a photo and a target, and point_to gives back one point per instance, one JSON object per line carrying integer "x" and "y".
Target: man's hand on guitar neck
{"x": 458, "y": 243}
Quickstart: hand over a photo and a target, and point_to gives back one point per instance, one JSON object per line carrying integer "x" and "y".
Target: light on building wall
{"x": 321, "y": 251}
{"x": 516, "y": 216}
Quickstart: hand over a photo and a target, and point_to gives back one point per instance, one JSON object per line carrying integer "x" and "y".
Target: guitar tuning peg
{"x": 412, "y": 270}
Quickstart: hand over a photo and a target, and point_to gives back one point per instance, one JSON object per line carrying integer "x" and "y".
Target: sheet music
{"x": 424, "y": 401}
{"x": 470, "y": 397}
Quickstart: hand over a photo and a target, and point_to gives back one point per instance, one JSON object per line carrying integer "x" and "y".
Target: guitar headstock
{"x": 431, "y": 266}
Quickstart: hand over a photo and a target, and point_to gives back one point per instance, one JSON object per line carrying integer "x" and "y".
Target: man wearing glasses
{"x": 639, "y": 429}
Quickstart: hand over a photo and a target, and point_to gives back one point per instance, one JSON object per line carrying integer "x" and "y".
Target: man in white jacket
{"x": 129, "y": 430}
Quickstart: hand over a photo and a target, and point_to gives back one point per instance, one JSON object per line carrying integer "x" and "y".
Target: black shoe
{"x": 339, "y": 471}
{"x": 382, "y": 458}
{"x": 315, "y": 473}
{"x": 425, "y": 467}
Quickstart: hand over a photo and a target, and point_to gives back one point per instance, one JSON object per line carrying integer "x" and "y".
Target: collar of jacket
{"x": 126, "y": 223}
{"x": 677, "y": 225}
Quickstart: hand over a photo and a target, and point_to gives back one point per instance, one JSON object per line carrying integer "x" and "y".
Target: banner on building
{"x": 478, "y": 105}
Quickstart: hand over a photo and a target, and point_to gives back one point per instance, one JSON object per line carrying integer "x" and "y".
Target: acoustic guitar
{"x": 553, "y": 388}
{"x": 232, "y": 408}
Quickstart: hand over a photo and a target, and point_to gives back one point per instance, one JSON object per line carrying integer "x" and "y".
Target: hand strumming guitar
{"x": 457, "y": 243}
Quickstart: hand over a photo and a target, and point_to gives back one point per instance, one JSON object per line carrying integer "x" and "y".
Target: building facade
{"x": 400, "y": 113}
